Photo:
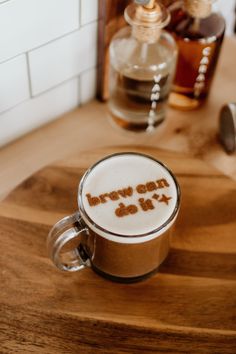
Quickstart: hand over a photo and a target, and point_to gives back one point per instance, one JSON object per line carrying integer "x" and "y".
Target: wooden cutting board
{"x": 188, "y": 307}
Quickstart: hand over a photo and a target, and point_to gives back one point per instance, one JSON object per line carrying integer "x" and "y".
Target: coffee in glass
{"x": 128, "y": 204}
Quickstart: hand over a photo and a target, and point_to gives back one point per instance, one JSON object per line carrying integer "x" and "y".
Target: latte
{"x": 129, "y": 196}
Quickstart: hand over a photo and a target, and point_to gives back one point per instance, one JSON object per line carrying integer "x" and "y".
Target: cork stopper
{"x": 198, "y": 8}
{"x": 147, "y": 19}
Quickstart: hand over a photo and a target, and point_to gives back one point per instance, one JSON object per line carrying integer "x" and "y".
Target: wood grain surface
{"x": 188, "y": 307}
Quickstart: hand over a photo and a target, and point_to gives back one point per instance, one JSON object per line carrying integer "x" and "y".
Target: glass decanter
{"x": 142, "y": 66}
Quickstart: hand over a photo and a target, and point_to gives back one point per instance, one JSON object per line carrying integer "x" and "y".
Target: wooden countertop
{"x": 87, "y": 127}
{"x": 189, "y": 306}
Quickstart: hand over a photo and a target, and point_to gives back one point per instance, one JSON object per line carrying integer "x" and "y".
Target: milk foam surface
{"x": 122, "y": 171}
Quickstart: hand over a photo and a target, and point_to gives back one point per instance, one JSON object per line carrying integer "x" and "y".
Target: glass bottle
{"x": 199, "y": 33}
{"x": 142, "y": 65}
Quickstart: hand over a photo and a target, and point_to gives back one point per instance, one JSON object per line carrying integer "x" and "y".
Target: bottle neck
{"x": 198, "y": 8}
{"x": 146, "y": 35}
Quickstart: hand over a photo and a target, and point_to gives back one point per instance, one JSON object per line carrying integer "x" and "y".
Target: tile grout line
{"x": 29, "y": 75}
{"x": 3, "y": 2}
{"x": 80, "y": 13}
{"x": 48, "y": 42}
{"x": 80, "y": 78}
{"x": 79, "y": 89}
{"x": 41, "y": 94}
{"x": 14, "y": 106}
{"x": 60, "y": 83}
{"x": 12, "y": 58}
{"x": 58, "y": 38}
{"x": 97, "y": 19}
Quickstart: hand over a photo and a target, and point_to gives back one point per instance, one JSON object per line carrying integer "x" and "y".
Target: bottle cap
{"x": 227, "y": 127}
{"x": 147, "y": 19}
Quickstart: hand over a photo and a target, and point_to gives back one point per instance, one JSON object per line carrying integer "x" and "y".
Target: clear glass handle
{"x": 64, "y": 244}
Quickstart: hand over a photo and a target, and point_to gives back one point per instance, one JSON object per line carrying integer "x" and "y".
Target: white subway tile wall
{"x": 63, "y": 58}
{"x": 89, "y": 11}
{"x": 87, "y": 87}
{"x": 227, "y": 8}
{"x": 46, "y": 48}
{"x": 39, "y": 110}
{"x": 26, "y": 24}
{"x": 14, "y": 82}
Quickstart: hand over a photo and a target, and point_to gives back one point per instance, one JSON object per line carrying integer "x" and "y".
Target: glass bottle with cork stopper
{"x": 142, "y": 65}
{"x": 199, "y": 33}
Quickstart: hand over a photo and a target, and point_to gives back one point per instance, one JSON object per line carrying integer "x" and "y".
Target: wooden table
{"x": 189, "y": 307}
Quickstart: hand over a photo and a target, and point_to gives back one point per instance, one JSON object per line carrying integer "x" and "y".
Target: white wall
{"x": 47, "y": 61}
{"x": 227, "y": 8}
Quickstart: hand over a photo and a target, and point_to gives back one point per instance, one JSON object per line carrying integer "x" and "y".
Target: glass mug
{"x": 127, "y": 206}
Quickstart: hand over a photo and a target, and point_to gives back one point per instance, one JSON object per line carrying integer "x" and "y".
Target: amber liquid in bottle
{"x": 199, "y": 42}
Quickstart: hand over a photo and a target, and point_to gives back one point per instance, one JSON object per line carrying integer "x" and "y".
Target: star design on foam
{"x": 164, "y": 199}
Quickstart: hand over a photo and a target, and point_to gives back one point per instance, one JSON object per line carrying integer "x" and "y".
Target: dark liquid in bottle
{"x": 131, "y": 102}
{"x": 199, "y": 42}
